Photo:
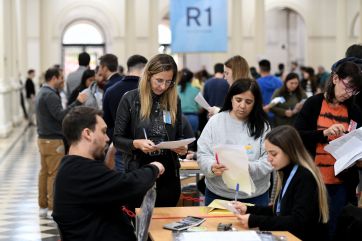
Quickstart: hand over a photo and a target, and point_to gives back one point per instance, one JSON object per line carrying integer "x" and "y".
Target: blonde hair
{"x": 288, "y": 139}
{"x": 168, "y": 100}
{"x": 239, "y": 67}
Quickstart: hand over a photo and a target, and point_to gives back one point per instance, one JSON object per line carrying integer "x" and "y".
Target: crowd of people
{"x": 99, "y": 155}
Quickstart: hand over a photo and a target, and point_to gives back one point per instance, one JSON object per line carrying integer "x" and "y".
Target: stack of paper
{"x": 346, "y": 149}
{"x": 234, "y": 157}
{"x": 219, "y": 206}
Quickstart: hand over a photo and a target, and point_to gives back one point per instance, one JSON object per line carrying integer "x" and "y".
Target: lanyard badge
{"x": 166, "y": 117}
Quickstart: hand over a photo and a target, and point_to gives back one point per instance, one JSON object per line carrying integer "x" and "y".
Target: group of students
{"x": 309, "y": 195}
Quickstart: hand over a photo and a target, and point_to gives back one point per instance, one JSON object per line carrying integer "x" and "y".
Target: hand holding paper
{"x": 277, "y": 100}
{"x": 175, "y": 144}
{"x": 234, "y": 157}
{"x": 218, "y": 169}
{"x": 346, "y": 149}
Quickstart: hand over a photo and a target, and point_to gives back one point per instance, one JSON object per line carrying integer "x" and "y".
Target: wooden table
{"x": 190, "y": 167}
{"x": 162, "y": 216}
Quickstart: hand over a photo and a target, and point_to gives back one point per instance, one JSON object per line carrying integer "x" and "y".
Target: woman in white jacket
{"x": 241, "y": 121}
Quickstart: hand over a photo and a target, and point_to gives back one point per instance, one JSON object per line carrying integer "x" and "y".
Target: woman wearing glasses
{"x": 147, "y": 116}
{"x": 325, "y": 117}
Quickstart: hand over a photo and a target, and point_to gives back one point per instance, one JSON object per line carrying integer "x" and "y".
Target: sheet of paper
{"x": 346, "y": 149}
{"x": 278, "y": 100}
{"x": 335, "y": 144}
{"x": 222, "y": 204}
{"x": 219, "y": 236}
{"x": 175, "y": 144}
{"x": 201, "y": 101}
{"x": 344, "y": 163}
{"x": 234, "y": 157}
{"x": 217, "y": 206}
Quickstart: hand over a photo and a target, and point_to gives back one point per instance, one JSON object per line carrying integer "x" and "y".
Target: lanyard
{"x": 286, "y": 187}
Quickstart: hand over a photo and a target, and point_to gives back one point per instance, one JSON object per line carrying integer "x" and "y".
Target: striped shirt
{"x": 328, "y": 116}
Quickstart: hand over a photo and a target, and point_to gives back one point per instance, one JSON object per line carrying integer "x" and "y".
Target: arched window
{"x": 81, "y": 37}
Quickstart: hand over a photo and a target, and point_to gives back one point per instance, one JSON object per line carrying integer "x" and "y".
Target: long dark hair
{"x": 257, "y": 119}
{"x": 88, "y": 73}
{"x": 185, "y": 76}
{"x": 284, "y": 90}
{"x": 343, "y": 70}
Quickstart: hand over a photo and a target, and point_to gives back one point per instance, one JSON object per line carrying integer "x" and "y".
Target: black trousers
{"x": 168, "y": 188}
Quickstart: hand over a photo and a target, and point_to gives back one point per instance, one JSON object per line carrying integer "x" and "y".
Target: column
{"x": 17, "y": 61}
{"x": 32, "y": 38}
{"x": 130, "y": 30}
{"x": 154, "y": 18}
{"x": 360, "y": 22}
{"x": 5, "y": 87}
{"x": 236, "y": 34}
{"x": 341, "y": 28}
{"x": 259, "y": 31}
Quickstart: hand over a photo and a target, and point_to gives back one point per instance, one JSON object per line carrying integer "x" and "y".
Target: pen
{"x": 217, "y": 159}
{"x": 144, "y": 132}
{"x": 236, "y": 192}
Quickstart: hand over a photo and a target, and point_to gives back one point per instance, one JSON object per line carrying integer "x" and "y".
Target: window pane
{"x": 82, "y": 33}
{"x": 71, "y": 59}
{"x": 95, "y": 53}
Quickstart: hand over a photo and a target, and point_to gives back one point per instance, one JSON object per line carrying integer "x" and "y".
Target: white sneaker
{"x": 43, "y": 212}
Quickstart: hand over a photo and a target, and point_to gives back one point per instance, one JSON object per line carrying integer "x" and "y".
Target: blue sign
{"x": 198, "y": 25}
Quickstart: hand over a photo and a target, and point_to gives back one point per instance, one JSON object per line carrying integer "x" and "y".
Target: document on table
{"x": 218, "y": 236}
{"x": 234, "y": 157}
{"x": 175, "y": 144}
{"x": 346, "y": 149}
{"x": 201, "y": 101}
{"x": 223, "y": 207}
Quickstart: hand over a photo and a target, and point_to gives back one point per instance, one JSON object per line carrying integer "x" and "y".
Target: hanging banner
{"x": 198, "y": 25}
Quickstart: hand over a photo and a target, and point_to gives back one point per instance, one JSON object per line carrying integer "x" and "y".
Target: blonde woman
{"x": 235, "y": 68}
{"x": 147, "y": 116}
{"x": 301, "y": 206}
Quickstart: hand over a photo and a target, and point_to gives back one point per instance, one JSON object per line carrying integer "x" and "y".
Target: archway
{"x": 285, "y": 37}
{"x": 81, "y": 36}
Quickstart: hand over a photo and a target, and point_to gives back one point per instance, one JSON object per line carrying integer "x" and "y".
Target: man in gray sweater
{"x": 75, "y": 77}
{"x": 49, "y": 115}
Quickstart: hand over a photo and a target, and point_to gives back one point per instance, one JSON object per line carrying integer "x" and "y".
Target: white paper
{"x": 346, "y": 149}
{"x": 220, "y": 236}
{"x": 278, "y": 100}
{"x": 229, "y": 206}
{"x": 234, "y": 157}
{"x": 175, "y": 144}
{"x": 201, "y": 101}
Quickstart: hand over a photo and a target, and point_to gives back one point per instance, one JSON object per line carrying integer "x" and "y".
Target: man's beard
{"x": 100, "y": 155}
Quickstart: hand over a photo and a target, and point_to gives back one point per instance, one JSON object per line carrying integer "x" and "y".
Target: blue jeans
{"x": 261, "y": 200}
{"x": 194, "y": 121}
{"x": 337, "y": 200}
{"x": 118, "y": 162}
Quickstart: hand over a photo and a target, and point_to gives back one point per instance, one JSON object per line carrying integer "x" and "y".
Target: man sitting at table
{"x": 88, "y": 196}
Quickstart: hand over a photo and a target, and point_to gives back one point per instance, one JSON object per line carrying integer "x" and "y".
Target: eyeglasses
{"x": 349, "y": 89}
{"x": 167, "y": 83}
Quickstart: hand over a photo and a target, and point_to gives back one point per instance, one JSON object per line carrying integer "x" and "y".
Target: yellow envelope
{"x": 218, "y": 206}
{"x": 215, "y": 207}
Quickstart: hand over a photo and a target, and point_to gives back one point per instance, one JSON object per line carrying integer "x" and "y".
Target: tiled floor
{"x": 19, "y": 210}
